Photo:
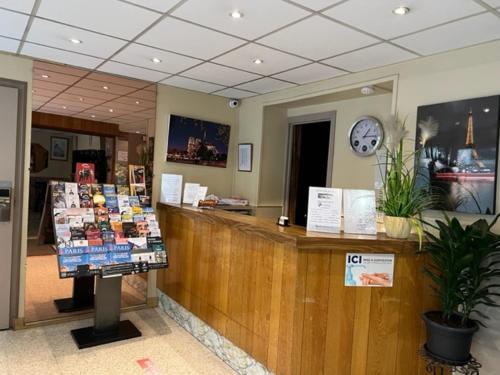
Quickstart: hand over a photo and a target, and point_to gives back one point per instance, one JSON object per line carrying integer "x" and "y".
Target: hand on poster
{"x": 375, "y": 279}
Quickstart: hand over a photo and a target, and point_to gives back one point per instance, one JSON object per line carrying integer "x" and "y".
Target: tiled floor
{"x": 50, "y": 350}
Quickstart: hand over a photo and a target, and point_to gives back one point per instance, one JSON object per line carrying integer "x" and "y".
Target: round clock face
{"x": 366, "y": 136}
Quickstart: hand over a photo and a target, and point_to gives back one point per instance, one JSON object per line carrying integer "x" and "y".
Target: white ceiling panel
{"x": 370, "y": 57}
{"x": 9, "y": 45}
{"x": 12, "y": 24}
{"x": 376, "y": 17}
{"x": 273, "y": 61}
{"x": 317, "y": 4}
{"x": 56, "y": 35}
{"x": 265, "y": 85}
{"x": 474, "y": 30}
{"x": 493, "y": 3}
{"x": 309, "y": 73}
{"x": 234, "y": 93}
{"x": 191, "y": 84}
{"x": 65, "y": 57}
{"x": 259, "y": 16}
{"x": 188, "y": 39}
{"x": 219, "y": 74}
{"x": 25, "y": 6}
{"x": 158, "y": 5}
{"x": 140, "y": 55}
{"x": 132, "y": 71}
{"x": 111, "y": 17}
{"x": 318, "y": 38}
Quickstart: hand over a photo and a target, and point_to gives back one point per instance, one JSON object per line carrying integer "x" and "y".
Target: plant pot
{"x": 397, "y": 227}
{"x": 450, "y": 344}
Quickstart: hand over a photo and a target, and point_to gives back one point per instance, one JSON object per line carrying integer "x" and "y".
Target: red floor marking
{"x": 148, "y": 366}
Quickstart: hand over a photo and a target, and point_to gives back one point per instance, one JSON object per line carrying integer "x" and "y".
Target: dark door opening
{"x": 308, "y": 166}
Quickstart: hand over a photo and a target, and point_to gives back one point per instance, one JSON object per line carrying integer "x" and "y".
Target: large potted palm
{"x": 463, "y": 268}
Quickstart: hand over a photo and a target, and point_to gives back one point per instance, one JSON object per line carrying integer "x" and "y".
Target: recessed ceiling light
{"x": 33, "y": 91}
{"x": 137, "y": 102}
{"x": 45, "y": 76}
{"x": 367, "y": 90}
{"x": 401, "y": 11}
{"x": 105, "y": 87}
{"x": 75, "y": 41}
{"x": 258, "y": 61}
{"x": 81, "y": 99}
{"x": 486, "y": 110}
{"x": 138, "y": 132}
{"x": 64, "y": 107}
{"x": 93, "y": 116}
{"x": 156, "y": 60}
{"x": 236, "y": 14}
{"x": 111, "y": 110}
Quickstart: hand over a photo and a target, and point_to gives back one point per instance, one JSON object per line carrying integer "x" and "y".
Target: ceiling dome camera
{"x": 233, "y": 103}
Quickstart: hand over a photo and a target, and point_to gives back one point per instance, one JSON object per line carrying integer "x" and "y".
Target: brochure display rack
{"x": 103, "y": 232}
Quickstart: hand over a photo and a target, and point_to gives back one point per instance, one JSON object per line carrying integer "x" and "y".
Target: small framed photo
{"x": 245, "y": 157}
{"x": 58, "y": 148}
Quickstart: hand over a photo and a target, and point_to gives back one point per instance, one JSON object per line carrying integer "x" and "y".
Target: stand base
{"x": 87, "y": 337}
{"x": 67, "y": 305}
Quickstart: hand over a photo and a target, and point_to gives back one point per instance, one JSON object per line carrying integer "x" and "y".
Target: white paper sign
{"x": 360, "y": 213}
{"x": 369, "y": 270}
{"x": 323, "y": 210}
{"x": 122, "y": 156}
{"x": 171, "y": 188}
{"x": 190, "y": 191}
{"x": 200, "y": 195}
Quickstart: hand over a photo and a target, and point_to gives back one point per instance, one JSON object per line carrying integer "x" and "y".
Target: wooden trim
{"x": 74, "y": 125}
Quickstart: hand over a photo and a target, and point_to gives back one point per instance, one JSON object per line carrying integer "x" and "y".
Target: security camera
{"x": 233, "y": 103}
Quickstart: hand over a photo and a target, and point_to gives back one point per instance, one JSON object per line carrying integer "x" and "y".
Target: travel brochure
{"x": 100, "y": 225}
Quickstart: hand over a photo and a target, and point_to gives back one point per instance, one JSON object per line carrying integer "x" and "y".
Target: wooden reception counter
{"x": 278, "y": 293}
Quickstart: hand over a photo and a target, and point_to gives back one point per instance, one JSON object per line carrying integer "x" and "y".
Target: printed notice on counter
{"x": 323, "y": 210}
{"x": 371, "y": 270}
{"x": 190, "y": 192}
{"x": 171, "y": 188}
{"x": 200, "y": 195}
{"x": 360, "y": 213}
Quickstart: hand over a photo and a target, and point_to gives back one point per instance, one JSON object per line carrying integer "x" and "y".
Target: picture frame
{"x": 59, "y": 148}
{"x": 245, "y": 155}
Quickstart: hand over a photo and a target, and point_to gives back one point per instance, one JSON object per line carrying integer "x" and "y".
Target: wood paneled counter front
{"x": 278, "y": 293}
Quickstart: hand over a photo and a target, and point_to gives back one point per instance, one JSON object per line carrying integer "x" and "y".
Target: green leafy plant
{"x": 463, "y": 268}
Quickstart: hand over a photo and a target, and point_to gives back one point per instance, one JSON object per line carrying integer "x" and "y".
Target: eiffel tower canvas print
{"x": 458, "y": 157}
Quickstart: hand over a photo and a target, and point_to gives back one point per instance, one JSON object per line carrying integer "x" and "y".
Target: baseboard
{"x": 233, "y": 356}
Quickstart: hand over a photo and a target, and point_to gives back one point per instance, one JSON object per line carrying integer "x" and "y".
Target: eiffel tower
{"x": 469, "y": 140}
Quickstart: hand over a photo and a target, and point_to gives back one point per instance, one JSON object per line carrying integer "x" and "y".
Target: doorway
{"x": 310, "y": 153}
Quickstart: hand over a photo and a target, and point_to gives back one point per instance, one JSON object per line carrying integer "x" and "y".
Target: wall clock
{"x": 366, "y": 136}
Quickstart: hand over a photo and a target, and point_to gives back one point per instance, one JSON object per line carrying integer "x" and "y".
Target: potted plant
{"x": 403, "y": 201}
{"x": 463, "y": 268}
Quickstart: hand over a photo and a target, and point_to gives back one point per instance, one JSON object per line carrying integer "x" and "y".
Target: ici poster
{"x": 369, "y": 270}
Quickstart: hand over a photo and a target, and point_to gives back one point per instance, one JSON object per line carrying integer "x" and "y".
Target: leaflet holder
{"x": 5, "y": 201}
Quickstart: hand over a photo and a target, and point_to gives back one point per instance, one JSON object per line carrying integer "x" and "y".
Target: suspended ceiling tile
{"x": 48, "y": 108}
{"x": 317, "y": 38}
{"x": 105, "y": 108}
{"x": 234, "y": 93}
{"x": 376, "y": 17}
{"x": 12, "y": 24}
{"x": 132, "y": 71}
{"x": 259, "y": 16}
{"x": 273, "y": 61}
{"x": 9, "y": 45}
{"x": 192, "y": 40}
{"x": 76, "y": 98}
{"x": 90, "y": 93}
{"x": 111, "y": 17}
{"x": 71, "y": 104}
{"x": 310, "y": 73}
{"x": 265, "y": 85}
{"x": 317, "y": 4}
{"x": 474, "y": 30}
{"x": 91, "y": 84}
{"x": 59, "y": 68}
{"x": 45, "y": 93}
{"x": 54, "y": 77}
{"x": 144, "y": 95}
{"x": 122, "y": 106}
{"x": 25, "y": 6}
{"x": 493, "y": 3}
{"x": 65, "y": 57}
{"x": 112, "y": 79}
{"x": 370, "y": 57}
{"x": 47, "y": 85}
{"x": 158, "y": 5}
{"x": 219, "y": 74}
{"x": 56, "y": 35}
{"x": 140, "y": 55}
{"x": 91, "y": 115}
{"x": 130, "y": 101}
{"x": 191, "y": 84}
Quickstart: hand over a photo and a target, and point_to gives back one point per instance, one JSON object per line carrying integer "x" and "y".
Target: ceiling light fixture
{"x": 93, "y": 116}
{"x": 105, "y": 87}
{"x": 367, "y": 90}
{"x": 75, "y": 41}
{"x": 45, "y": 76}
{"x": 111, "y": 110}
{"x": 401, "y": 11}
{"x": 156, "y": 60}
{"x": 137, "y": 102}
{"x": 138, "y": 132}
{"x": 64, "y": 107}
{"x": 236, "y": 14}
{"x": 258, "y": 61}
{"x": 81, "y": 99}
{"x": 486, "y": 110}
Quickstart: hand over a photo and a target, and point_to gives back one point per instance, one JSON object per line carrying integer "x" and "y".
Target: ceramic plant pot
{"x": 397, "y": 227}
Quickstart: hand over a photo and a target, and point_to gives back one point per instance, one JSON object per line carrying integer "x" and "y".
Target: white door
{"x": 8, "y": 141}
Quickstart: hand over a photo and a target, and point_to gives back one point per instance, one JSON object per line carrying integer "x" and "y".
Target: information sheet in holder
{"x": 171, "y": 188}
{"x": 360, "y": 213}
{"x": 369, "y": 270}
{"x": 324, "y": 210}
